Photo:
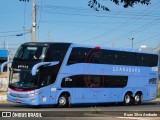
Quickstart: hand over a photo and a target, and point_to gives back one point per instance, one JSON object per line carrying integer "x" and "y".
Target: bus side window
{"x": 48, "y": 57}
{"x": 154, "y": 60}
{"x": 96, "y": 58}
{"x": 46, "y": 80}
{"x": 97, "y": 80}
{"x": 72, "y": 59}
{"x": 43, "y": 80}
{"x": 109, "y": 57}
{"x": 131, "y": 59}
{"x": 73, "y": 56}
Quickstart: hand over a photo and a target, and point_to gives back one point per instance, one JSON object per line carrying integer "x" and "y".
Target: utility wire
{"x": 141, "y": 28}
{"x": 4, "y": 32}
{"x": 117, "y": 28}
{"x": 98, "y": 16}
{"x": 16, "y": 35}
{"x": 144, "y": 40}
{"x": 145, "y": 26}
{"x": 158, "y": 47}
{"x": 137, "y": 17}
{"x": 83, "y": 10}
{"x": 126, "y": 23}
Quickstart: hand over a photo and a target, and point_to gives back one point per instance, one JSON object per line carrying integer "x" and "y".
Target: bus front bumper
{"x": 29, "y": 101}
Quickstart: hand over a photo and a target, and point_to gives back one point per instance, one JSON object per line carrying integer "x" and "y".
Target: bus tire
{"x": 138, "y": 99}
{"x": 127, "y": 99}
{"x": 63, "y": 101}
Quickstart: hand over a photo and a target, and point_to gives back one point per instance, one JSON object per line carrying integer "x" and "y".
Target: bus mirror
{"x": 36, "y": 66}
{"x": 4, "y": 64}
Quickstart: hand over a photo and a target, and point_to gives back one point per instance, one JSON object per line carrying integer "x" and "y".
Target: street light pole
{"x": 132, "y": 41}
{"x": 33, "y": 29}
{"x": 33, "y": 32}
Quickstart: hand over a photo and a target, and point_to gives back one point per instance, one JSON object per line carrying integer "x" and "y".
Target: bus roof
{"x": 111, "y": 48}
{"x": 44, "y": 43}
{"x": 89, "y": 46}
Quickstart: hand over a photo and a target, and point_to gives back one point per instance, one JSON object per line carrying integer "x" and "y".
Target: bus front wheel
{"x": 63, "y": 101}
{"x": 138, "y": 99}
{"x": 127, "y": 99}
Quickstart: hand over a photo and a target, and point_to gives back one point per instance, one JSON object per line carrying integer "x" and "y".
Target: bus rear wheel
{"x": 127, "y": 99}
{"x": 63, "y": 101}
{"x": 138, "y": 99}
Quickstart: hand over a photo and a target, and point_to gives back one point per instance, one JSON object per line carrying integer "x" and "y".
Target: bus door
{"x": 47, "y": 96}
{"x": 44, "y": 96}
{"x": 115, "y": 94}
{"x": 103, "y": 95}
{"x": 109, "y": 94}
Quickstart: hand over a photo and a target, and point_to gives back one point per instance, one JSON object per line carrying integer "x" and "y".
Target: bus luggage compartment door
{"x": 46, "y": 96}
{"x": 85, "y": 95}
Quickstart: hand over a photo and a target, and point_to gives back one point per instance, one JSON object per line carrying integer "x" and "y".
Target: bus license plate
{"x": 18, "y": 101}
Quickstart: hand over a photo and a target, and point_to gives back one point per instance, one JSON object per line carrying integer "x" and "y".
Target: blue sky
{"x": 73, "y": 21}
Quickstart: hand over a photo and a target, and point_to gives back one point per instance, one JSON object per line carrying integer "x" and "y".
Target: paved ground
{"x": 108, "y": 111}
{"x": 3, "y": 97}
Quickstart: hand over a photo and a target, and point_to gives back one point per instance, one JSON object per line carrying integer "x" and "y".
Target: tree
{"x": 95, "y": 4}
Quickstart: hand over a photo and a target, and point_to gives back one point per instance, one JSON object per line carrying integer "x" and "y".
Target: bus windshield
{"x": 31, "y": 52}
{"x": 22, "y": 79}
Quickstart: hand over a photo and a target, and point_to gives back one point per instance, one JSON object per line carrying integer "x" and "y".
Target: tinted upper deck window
{"x": 114, "y": 57}
{"x": 57, "y": 52}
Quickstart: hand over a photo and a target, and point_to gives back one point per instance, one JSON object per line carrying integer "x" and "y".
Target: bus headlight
{"x": 33, "y": 94}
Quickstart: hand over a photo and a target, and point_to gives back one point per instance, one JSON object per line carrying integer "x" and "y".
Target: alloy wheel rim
{"x": 137, "y": 98}
{"x": 127, "y": 98}
{"x": 62, "y": 101}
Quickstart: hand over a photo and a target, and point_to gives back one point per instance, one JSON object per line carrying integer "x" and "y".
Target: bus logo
{"x": 22, "y": 66}
{"x": 126, "y": 69}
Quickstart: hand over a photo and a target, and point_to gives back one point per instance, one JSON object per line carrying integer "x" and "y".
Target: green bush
{"x": 158, "y": 93}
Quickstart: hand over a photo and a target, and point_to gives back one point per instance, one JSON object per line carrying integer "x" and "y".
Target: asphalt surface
{"x": 146, "y": 111}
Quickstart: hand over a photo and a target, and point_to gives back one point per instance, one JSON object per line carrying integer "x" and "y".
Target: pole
{"x": 33, "y": 32}
{"x": 4, "y": 45}
{"x": 132, "y": 42}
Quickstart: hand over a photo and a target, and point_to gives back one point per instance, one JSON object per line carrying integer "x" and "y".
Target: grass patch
{"x": 158, "y": 93}
{"x": 95, "y": 110}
